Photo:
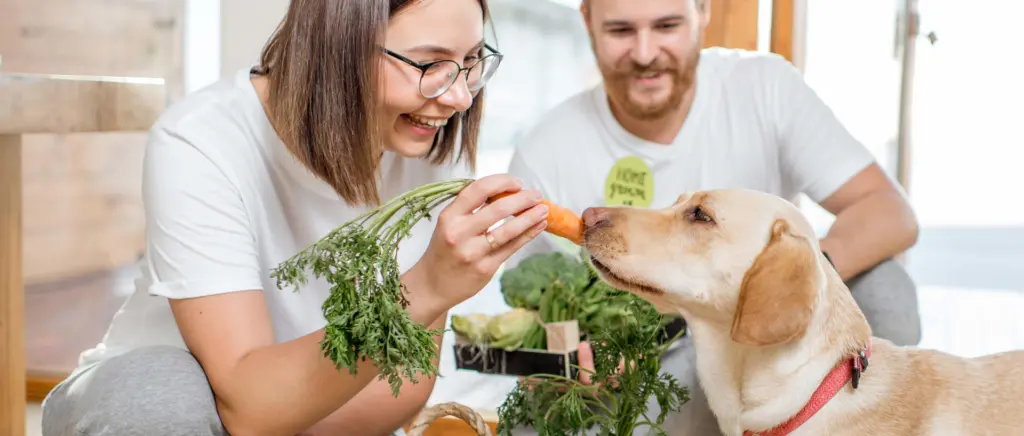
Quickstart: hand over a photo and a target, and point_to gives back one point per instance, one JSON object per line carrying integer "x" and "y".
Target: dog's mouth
{"x": 629, "y": 285}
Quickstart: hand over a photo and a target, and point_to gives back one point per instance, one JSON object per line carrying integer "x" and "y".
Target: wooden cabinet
{"x": 736, "y": 24}
{"x": 70, "y": 189}
{"x": 81, "y": 191}
{"x": 38, "y": 104}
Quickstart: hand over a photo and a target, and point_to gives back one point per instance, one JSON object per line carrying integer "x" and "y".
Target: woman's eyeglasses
{"x": 437, "y": 76}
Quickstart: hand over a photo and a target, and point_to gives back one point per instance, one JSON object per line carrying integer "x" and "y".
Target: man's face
{"x": 647, "y": 51}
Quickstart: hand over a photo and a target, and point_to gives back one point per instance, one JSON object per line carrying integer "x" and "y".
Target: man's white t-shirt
{"x": 225, "y": 203}
{"x": 754, "y": 124}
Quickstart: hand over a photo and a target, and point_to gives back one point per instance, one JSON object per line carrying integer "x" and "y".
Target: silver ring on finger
{"x": 490, "y": 240}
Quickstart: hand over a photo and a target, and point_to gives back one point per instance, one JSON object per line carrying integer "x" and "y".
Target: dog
{"x": 782, "y": 347}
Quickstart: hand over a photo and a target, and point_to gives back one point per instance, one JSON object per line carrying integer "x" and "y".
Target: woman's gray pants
{"x": 152, "y": 391}
{"x": 149, "y": 391}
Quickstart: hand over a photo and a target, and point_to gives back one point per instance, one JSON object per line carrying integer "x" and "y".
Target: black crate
{"x": 526, "y": 362}
{"x": 520, "y": 362}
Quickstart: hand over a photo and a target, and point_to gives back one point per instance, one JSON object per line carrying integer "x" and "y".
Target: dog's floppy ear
{"x": 778, "y": 292}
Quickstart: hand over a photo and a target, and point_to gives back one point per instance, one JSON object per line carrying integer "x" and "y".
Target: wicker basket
{"x": 430, "y": 414}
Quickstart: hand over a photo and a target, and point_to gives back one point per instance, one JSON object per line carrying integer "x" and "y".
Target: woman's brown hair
{"x": 322, "y": 65}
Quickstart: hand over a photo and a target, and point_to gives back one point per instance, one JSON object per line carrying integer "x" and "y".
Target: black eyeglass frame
{"x": 424, "y": 66}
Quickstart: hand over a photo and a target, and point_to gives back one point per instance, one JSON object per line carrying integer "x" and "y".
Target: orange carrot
{"x": 562, "y": 222}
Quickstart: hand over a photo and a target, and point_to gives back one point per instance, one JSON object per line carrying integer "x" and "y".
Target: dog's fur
{"x": 770, "y": 318}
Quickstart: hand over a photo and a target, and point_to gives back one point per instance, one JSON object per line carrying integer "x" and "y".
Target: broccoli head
{"x": 523, "y": 285}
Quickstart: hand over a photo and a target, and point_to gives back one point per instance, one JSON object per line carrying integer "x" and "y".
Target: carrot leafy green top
{"x": 365, "y": 312}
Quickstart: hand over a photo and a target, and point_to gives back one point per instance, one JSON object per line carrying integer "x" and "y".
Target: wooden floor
{"x": 64, "y": 318}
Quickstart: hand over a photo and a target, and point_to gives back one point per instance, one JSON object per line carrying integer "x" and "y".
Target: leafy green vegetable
{"x": 536, "y": 338}
{"x": 517, "y": 328}
{"x": 562, "y": 288}
{"x": 473, "y": 327}
{"x": 509, "y": 330}
{"x": 365, "y": 312}
{"x": 524, "y": 285}
{"x": 622, "y": 328}
{"x": 616, "y": 403}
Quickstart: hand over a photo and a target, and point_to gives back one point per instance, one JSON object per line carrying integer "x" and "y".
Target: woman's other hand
{"x": 585, "y": 359}
{"x": 463, "y": 255}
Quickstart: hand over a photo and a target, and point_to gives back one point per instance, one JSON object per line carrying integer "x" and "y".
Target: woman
{"x": 245, "y": 173}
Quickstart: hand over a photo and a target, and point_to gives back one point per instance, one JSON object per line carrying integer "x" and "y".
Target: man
{"x": 670, "y": 117}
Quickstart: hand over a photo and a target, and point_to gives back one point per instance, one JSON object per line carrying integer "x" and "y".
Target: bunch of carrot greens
{"x": 366, "y": 319}
{"x": 627, "y": 370}
{"x": 365, "y": 312}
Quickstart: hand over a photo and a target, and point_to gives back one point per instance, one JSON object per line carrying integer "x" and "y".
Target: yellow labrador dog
{"x": 781, "y": 346}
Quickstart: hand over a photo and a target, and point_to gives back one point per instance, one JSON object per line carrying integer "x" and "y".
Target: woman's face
{"x": 427, "y": 31}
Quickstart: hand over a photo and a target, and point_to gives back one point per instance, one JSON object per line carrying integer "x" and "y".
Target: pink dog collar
{"x": 846, "y": 371}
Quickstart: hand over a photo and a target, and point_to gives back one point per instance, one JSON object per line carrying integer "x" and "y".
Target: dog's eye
{"x": 697, "y": 214}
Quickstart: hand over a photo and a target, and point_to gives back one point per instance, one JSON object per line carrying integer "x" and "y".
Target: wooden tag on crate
{"x": 563, "y": 337}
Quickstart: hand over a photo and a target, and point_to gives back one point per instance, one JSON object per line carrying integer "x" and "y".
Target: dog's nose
{"x": 594, "y": 216}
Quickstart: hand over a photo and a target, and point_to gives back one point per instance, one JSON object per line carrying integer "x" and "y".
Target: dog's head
{"x": 743, "y": 259}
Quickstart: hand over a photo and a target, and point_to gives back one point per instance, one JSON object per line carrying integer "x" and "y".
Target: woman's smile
{"x": 422, "y": 127}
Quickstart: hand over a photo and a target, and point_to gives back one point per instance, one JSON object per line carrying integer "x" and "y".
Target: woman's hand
{"x": 463, "y": 256}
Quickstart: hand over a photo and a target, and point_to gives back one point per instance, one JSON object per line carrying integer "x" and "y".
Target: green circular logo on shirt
{"x": 629, "y": 183}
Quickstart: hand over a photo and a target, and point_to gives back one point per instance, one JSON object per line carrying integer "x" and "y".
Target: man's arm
{"x": 374, "y": 411}
{"x": 874, "y": 222}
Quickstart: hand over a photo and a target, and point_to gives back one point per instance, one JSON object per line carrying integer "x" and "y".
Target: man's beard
{"x": 617, "y": 83}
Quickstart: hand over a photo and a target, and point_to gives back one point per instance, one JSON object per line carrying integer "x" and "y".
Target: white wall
{"x": 222, "y": 36}
{"x": 245, "y": 27}
{"x": 202, "y": 43}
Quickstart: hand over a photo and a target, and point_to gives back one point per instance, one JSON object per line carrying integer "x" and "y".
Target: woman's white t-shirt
{"x": 225, "y": 203}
